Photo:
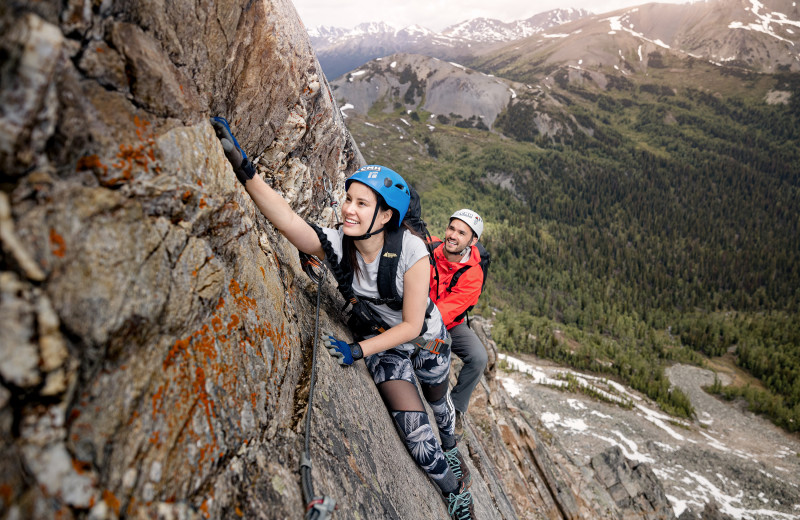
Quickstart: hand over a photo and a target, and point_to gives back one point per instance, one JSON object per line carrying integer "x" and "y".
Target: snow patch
{"x": 539, "y": 377}
{"x": 347, "y": 106}
{"x": 704, "y": 488}
{"x": 511, "y": 386}
{"x": 764, "y": 22}
{"x": 554, "y": 419}
{"x": 628, "y": 447}
{"x": 679, "y": 506}
{"x": 659, "y": 420}
{"x": 714, "y": 443}
{"x": 666, "y": 447}
{"x": 615, "y": 24}
{"x": 575, "y": 404}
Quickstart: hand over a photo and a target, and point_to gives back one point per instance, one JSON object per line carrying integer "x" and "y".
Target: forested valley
{"x": 662, "y": 225}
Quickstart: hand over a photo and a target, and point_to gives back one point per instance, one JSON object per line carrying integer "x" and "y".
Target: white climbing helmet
{"x": 470, "y": 218}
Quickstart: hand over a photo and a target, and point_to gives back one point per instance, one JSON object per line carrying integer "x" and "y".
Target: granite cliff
{"x": 157, "y": 331}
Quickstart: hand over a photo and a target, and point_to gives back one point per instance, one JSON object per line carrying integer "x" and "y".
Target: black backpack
{"x": 485, "y": 261}
{"x": 363, "y": 320}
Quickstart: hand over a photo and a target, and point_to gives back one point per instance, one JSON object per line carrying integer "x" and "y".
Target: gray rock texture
{"x": 157, "y": 332}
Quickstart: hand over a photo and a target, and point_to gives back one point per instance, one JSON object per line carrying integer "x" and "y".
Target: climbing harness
{"x": 431, "y": 346}
{"x": 317, "y": 507}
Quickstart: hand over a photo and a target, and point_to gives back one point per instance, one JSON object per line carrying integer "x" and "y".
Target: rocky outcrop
{"x": 634, "y": 488}
{"x": 157, "y": 333}
{"x": 430, "y": 84}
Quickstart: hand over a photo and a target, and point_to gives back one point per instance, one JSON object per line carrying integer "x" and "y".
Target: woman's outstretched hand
{"x": 242, "y": 166}
{"x": 347, "y": 353}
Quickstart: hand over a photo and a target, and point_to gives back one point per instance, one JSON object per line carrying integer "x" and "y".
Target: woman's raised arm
{"x": 271, "y": 204}
{"x": 289, "y": 223}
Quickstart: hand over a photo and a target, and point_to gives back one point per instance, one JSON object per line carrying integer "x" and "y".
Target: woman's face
{"x": 358, "y": 209}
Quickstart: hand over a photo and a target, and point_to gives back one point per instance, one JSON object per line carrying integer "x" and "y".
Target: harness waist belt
{"x": 432, "y": 346}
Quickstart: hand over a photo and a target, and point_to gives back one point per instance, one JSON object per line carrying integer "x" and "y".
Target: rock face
{"x": 157, "y": 333}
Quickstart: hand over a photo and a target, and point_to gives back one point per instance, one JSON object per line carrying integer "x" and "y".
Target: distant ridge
{"x": 746, "y": 35}
{"x": 341, "y": 50}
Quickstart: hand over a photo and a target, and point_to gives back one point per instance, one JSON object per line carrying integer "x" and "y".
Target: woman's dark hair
{"x": 349, "y": 245}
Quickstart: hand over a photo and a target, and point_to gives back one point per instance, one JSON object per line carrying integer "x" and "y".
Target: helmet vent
{"x": 387, "y": 182}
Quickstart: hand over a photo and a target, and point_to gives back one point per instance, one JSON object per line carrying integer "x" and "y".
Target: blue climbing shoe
{"x": 458, "y": 466}
{"x": 460, "y": 505}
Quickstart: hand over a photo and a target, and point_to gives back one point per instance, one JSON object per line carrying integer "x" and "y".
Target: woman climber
{"x": 401, "y": 357}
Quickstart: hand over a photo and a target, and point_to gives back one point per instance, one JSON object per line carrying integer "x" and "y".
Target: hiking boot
{"x": 458, "y": 466}
{"x": 460, "y": 505}
{"x": 459, "y": 433}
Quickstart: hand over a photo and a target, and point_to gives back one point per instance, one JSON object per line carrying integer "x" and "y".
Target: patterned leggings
{"x": 396, "y": 376}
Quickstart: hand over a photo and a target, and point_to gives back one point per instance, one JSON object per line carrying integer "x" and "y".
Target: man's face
{"x": 457, "y": 237}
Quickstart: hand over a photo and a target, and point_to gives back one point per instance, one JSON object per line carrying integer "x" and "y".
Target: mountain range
{"x": 745, "y": 34}
{"x": 661, "y": 46}
{"x": 340, "y": 50}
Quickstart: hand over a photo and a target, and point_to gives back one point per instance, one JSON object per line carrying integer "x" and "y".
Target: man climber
{"x": 459, "y": 254}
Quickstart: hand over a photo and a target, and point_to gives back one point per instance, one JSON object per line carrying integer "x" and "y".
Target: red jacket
{"x": 466, "y": 291}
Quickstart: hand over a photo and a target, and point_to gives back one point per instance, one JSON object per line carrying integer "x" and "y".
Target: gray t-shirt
{"x": 367, "y": 284}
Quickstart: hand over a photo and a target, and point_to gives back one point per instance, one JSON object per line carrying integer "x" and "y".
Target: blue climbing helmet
{"x": 386, "y": 183}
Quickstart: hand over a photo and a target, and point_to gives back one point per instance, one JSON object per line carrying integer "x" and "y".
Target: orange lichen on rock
{"x": 112, "y": 501}
{"x": 158, "y": 398}
{"x": 233, "y": 323}
{"x": 6, "y": 492}
{"x": 216, "y": 322}
{"x": 140, "y": 156}
{"x": 80, "y": 466}
{"x": 57, "y": 245}
{"x": 206, "y": 364}
{"x": 91, "y": 162}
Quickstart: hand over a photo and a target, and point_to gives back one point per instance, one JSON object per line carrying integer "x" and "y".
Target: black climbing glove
{"x": 242, "y": 166}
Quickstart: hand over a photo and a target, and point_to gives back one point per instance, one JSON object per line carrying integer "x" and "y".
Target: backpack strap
{"x": 432, "y": 245}
{"x": 387, "y": 270}
{"x": 456, "y": 276}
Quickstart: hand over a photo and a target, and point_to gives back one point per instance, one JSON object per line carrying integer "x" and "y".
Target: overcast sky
{"x": 438, "y": 14}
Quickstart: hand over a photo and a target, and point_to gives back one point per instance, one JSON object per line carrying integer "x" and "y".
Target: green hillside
{"x": 661, "y": 223}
